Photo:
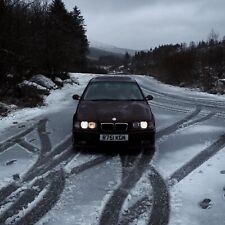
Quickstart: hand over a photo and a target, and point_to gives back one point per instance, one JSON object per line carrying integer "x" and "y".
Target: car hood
{"x": 123, "y": 111}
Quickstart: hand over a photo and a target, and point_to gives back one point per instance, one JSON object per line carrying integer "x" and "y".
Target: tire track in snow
{"x": 135, "y": 211}
{"x": 13, "y": 140}
{"x": 175, "y": 126}
{"x": 160, "y": 206}
{"x": 29, "y": 196}
{"x": 161, "y": 196}
{"x": 48, "y": 166}
{"x": 89, "y": 164}
{"x": 82, "y": 168}
{"x": 111, "y": 212}
{"x": 210, "y": 151}
{"x": 48, "y": 161}
{"x": 7, "y": 191}
{"x": 41, "y": 206}
{"x": 197, "y": 161}
{"x": 161, "y": 200}
{"x": 112, "y": 209}
{"x": 23, "y": 143}
{"x": 44, "y": 138}
{"x": 215, "y": 106}
{"x": 24, "y": 199}
{"x": 210, "y": 104}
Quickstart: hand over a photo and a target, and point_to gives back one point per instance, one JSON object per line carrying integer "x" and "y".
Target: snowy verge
{"x": 207, "y": 182}
{"x": 56, "y": 100}
{"x": 191, "y": 93}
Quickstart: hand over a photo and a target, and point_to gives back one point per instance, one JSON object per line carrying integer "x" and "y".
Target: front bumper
{"x": 92, "y": 139}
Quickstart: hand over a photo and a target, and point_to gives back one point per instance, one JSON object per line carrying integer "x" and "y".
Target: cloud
{"x": 147, "y": 23}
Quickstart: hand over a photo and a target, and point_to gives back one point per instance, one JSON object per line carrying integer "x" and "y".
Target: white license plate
{"x": 113, "y": 137}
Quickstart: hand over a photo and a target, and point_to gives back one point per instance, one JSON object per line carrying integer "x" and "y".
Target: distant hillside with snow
{"x": 110, "y": 48}
{"x": 95, "y": 53}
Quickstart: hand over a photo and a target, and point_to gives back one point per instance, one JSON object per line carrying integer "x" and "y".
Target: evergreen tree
{"x": 126, "y": 60}
{"x": 40, "y": 37}
{"x": 56, "y": 37}
{"x": 67, "y": 40}
{"x": 80, "y": 39}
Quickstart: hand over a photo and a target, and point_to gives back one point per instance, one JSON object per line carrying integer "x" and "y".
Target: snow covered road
{"x": 43, "y": 182}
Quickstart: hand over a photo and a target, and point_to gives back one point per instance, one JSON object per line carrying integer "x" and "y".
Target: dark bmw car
{"x": 113, "y": 111}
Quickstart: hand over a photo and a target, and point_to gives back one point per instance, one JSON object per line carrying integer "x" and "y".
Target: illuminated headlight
{"x": 84, "y": 125}
{"x": 140, "y": 125}
{"x": 92, "y": 125}
{"x": 144, "y": 125}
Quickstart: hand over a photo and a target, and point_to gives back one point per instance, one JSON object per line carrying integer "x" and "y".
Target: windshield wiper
{"x": 134, "y": 99}
{"x": 107, "y": 99}
{"x": 103, "y": 99}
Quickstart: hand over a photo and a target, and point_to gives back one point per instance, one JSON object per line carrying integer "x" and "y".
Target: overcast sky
{"x": 142, "y": 24}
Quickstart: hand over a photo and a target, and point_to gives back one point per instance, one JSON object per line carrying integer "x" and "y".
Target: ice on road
{"x": 44, "y": 182}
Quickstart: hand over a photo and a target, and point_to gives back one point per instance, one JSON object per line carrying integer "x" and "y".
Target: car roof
{"x": 113, "y": 78}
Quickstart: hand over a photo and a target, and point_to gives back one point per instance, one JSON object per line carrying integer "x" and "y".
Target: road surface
{"x": 42, "y": 181}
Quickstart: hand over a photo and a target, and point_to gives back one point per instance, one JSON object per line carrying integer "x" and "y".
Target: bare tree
{"x": 213, "y": 37}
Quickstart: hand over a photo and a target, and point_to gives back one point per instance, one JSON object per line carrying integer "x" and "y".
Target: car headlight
{"x": 92, "y": 125}
{"x": 84, "y": 125}
{"x": 144, "y": 125}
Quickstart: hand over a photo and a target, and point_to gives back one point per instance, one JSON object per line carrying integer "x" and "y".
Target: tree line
{"x": 40, "y": 37}
{"x": 197, "y": 64}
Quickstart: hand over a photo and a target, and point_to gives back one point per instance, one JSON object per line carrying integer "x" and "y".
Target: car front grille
{"x": 109, "y": 127}
{"x": 121, "y": 126}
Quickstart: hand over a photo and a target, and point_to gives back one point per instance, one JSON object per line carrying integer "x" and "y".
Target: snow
{"x": 16, "y": 218}
{"x": 165, "y": 118}
{"x": 110, "y": 48}
{"x": 78, "y": 160}
{"x": 205, "y": 182}
{"x": 4, "y": 108}
{"x": 43, "y": 81}
{"x": 81, "y": 202}
{"x": 184, "y": 144}
{"x": 57, "y": 79}
{"x": 86, "y": 194}
{"x": 56, "y": 101}
{"x": 25, "y": 118}
{"x": 75, "y": 80}
{"x": 194, "y": 94}
{"x": 142, "y": 189}
{"x": 32, "y": 84}
{"x": 222, "y": 80}
{"x": 16, "y": 160}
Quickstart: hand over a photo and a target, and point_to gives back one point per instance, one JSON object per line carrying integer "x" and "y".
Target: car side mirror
{"x": 149, "y": 97}
{"x": 76, "y": 97}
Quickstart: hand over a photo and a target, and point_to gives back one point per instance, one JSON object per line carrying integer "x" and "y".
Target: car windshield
{"x": 114, "y": 91}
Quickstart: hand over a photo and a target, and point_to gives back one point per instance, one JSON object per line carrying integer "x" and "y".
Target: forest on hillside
{"x": 195, "y": 65}
{"x": 39, "y": 37}
{"x": 43, "y": 37}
